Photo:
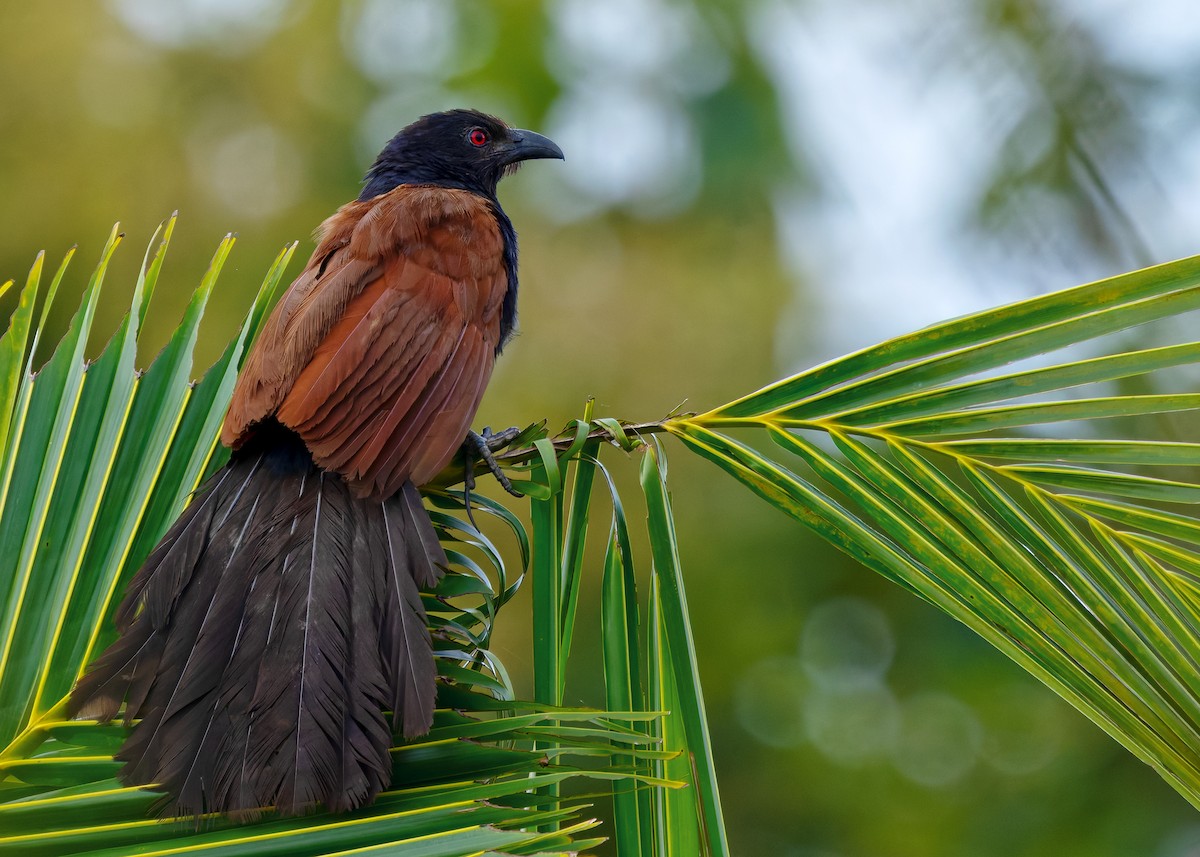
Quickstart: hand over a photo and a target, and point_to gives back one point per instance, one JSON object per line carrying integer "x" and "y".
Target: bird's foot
{"x": 485, "y": 445}
{"x": 497, "y": 441}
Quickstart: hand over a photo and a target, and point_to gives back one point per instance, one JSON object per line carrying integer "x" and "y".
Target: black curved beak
{"x": 527, "y": 146}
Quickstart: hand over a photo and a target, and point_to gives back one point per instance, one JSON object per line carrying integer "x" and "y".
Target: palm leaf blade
{"x": 1079, "y": 563}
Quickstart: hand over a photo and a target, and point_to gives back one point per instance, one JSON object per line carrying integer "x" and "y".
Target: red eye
{"x": 478, "y": 137}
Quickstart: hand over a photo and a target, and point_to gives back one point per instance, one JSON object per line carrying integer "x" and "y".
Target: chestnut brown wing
{"x": 388, "y": 390}
{"x": 390, "y": 393}
{"x": 298, "y": 323}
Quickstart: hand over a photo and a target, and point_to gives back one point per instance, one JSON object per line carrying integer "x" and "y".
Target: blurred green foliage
{"x": 666, "y": 232}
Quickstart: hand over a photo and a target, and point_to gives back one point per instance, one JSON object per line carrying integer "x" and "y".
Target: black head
{"x": 459, "y": 148}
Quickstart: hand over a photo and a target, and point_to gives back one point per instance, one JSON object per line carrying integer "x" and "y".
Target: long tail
{"x": 263, "y": 638}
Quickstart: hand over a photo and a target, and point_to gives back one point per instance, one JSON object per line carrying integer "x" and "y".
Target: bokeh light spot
{"x": 939, "y": 740}
{"x": 852, "y": 726}
{"x": 627, "y": 146}
{"x": 227, "y": 25}
{"x": 391, "y": 39}
{"x": 623, "y": 37}
{"x": 770, "y": 702}
{"x": 254, "y": 171}
{"x": 1030, "y": 735}
{"x": 847, "y": 643}
{"x": 1182, "y": 842}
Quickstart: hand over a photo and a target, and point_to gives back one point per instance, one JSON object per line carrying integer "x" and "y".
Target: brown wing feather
{"x": 297, "y": 324}
{"x": 387, "y": 364}
{"x": 379, "y": 353}
{"x": 429, "y": 435}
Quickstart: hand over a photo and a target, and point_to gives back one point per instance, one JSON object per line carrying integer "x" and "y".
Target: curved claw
{"x": 483, "y": 446}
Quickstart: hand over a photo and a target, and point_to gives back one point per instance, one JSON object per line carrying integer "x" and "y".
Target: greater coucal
{"x": 269, "y": 629}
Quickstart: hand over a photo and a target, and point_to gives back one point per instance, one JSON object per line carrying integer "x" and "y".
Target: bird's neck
{"x": 508, "y": 310}
{"x": 386, "y": 176}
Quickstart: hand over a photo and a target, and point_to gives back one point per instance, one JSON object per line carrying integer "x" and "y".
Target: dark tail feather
{"x": 263, "y": 638}
{"x": 413, "y": 555}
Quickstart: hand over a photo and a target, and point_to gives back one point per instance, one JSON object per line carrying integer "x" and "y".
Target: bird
{"x": 267, "y": 633}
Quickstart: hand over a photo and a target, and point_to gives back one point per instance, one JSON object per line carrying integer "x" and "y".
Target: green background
{"x": 682, "y": 254}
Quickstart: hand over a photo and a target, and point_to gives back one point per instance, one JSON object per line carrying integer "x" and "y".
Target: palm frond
{"x": 938, "y": 460}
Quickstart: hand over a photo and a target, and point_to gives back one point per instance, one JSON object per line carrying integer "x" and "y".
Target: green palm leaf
{"x": 934, "y": 462}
